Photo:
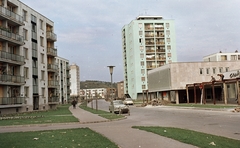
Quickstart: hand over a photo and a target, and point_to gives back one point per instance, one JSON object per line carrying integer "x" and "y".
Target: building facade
{"x": 235, "y": 56}
{"x": 75, "y": 80}
{"x": 148, "y": 42}
{"x": 120, "y": 90}
{"x": 169, "y": 82}
{"x": 28, "y": 78}
{"x": 64, "y": 79}
{"x": 93, "y": 93}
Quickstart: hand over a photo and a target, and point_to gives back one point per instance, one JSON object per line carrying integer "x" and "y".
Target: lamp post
{"x": 86, "y": 94}
{"x": 111, "y": 72}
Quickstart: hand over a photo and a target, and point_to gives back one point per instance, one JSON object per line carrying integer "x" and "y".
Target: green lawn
{"x": 67, "y": 138}
{"x": 201, "y": 140}
{"x": 101, "y": 113}
{"x": 60, "y": 115}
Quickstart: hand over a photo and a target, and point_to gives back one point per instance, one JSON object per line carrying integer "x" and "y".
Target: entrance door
{"x": 35, "y": 103}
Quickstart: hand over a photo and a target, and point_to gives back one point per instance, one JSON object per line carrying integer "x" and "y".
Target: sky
{"x": 89, "y": 31}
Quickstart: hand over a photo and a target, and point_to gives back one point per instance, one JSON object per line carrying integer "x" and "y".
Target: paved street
{"x": 224, "y": 123}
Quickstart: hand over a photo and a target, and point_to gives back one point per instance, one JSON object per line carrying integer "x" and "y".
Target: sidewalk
{"x": 85, "y": 116}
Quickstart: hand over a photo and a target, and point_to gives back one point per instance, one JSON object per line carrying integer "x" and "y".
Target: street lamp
{"x": 111, "y": 72}
{"x": 86, "y": 94}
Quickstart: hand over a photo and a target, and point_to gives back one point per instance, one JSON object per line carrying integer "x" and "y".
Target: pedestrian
{"x": 74, "y": 102}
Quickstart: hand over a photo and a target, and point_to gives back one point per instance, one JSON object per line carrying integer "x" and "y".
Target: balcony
{"x": 52, "y": 67}
{"x": 53, "y": 84}
{"x": 52, "y": 51}
{"x": 51, "y": 36}
{"x": 68, "y": 75}
{"x": 14, "y": 19}
{"x": 11, "y": 58}
{"x": 69, "y": 91}
{"x": 10, "y": 79}
{"x": 53, "y": 100}
{"x": 11, "y": 100}
{"x": 6, "y": 35}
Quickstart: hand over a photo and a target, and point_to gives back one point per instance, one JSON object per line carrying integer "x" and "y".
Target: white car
{"x": 117, "y": 106}
{"x": 128, "y": 101}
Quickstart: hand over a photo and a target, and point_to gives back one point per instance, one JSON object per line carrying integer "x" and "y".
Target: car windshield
{"x": 118, "y": 102}
{"x": 128, "y": 99}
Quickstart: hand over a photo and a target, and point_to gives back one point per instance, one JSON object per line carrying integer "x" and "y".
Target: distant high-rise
{"x": 148, "y": 42}
{"x": 75, "y": 80}
{"x": 64, "y": 79}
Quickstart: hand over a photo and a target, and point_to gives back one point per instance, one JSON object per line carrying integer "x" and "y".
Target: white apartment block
{"x": 93, "y": 93}
{"x": 28, "y": 72}
{"x": 75, "y": 80}
{"x": 64, "y": 79}
{"x": 223, "y": 57}
{"x": 148, "y": 42}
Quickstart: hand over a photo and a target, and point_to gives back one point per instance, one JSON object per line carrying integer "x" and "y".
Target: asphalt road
{"x": 217, "y": 122}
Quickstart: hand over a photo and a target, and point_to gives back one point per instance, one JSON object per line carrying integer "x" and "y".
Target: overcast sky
{"x": 89, "y": 31}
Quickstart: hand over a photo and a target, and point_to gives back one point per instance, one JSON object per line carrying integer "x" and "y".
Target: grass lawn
{"x": 201, "y": 140}
{"x": 67, "y": 138}
{"x": 101, "y": 113}
{"x": 60, "y": 115}
{"x": 205, "y": 106}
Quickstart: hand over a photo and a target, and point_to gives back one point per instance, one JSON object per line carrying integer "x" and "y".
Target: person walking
{"x": 74, "y": 102}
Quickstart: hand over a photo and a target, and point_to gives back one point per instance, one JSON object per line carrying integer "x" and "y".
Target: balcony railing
{"x": 51, "y": 36}
{"x": 11, "y": 15}
{"x": 53, "y": 99}
{"x": 12, "y": 79}
{"x": 53, "y": 67}
{"x": 11, "y": 37}
{"x": 52, "y": 51}
{"x": 13, "y": 57}
{"x": 53, "y": 83}
{"x": 11, "y": 100}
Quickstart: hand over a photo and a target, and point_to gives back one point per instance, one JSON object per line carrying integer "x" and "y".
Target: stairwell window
{"x": 201, "y": 71}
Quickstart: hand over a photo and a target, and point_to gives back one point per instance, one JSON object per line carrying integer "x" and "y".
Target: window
{"x": 43, "y": 92}
{"x": 214, "y": 70}
{"x": 207, "y": 70}
{"x": 223, "y": 57}
{"x": 141, "y": 48}
{"x": 25, "y": 34}
{"x": 142, "y": 63}
{"x": 227, "y": 69}
{"x": 24, "y": 15}
{"x": 169, "y": 47}
{"x": 168, "y": 40}
{"x": 142, "y": 71}
{"x": 25, "y": 50}
{"x": 141, "y": 55}
{"x": 43, "y": 75}
{"x": 42, "y": 57}
{"x": 167, "y": 32}
{"x": 41, "y": 24}
{"x": 41, "y": 41}
{"x": 220, "y": 69}
{"x": 143, "y": 86}
{"x": 167, "y": 25}
{"x": 201, "y": 71}
{"x": 140, "y": 40}
{"x": 140, "y": 25}
{"x": 26, "y": 91}
{"x": 26, "y": 72}
{"x": 140, "y": 32}
{"x": 143, "y": 79}
{"x": 169, "y": 55}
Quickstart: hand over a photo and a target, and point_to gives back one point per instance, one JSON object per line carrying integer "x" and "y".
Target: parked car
{"x": 128, "y": 101}
{"x": 117, "y": 106}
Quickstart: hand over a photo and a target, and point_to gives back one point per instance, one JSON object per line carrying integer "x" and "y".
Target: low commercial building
{"x": 169, "y": 82}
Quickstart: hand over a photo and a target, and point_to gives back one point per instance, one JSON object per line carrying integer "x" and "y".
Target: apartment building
{"x": 148, "y": 42}
{"x": 28, "y": 72}
{"x": 75, "y": 80}
{"x": 64, "y": 79}
{"x": 93, "y": 93}
{"x": 120, "y": 89}
{"x": 228, "y": 56}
